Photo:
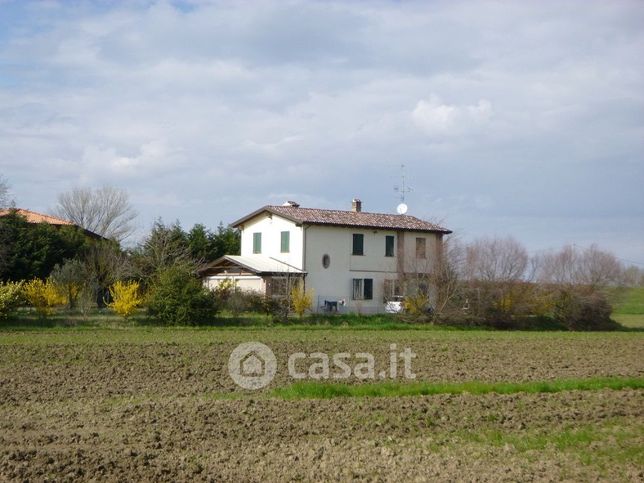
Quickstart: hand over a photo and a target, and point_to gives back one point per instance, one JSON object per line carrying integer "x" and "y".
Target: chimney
{"x": 356, "y": 205}
{"x": 292, "y": 204}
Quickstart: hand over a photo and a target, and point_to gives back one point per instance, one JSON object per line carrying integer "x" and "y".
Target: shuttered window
{"x": 257, "y": 243}
{"x": 368, "y": 289}
{"x": 285, "y": 241}
{"x": 389, "y": 246}
{"x": 358, "y": 244}
{"x": 363, "y": 289}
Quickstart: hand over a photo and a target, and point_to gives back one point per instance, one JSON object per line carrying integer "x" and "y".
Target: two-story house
{"x": 352, "y": 260}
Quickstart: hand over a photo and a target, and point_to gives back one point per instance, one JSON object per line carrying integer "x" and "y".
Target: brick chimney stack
{"x": 356, "y": 205}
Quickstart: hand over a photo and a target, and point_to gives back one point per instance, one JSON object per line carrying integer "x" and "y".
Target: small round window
{"x": 326, "y": 260}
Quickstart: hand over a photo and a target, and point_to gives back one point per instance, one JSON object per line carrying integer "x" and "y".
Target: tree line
{"x": 490, "y": 281}
{"x": 61, "y": 264}
{"x": 494, "y": 281}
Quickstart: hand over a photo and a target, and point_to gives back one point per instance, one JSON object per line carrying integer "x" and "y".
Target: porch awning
{"x": 256, "y": 264}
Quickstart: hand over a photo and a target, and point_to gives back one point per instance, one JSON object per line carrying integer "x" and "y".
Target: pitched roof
{"x": 314, "y": 216}
{"x": 33, "y": 217}
{"x": 256, "y": 263}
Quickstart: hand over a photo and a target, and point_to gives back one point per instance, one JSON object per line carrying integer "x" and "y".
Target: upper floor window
{"x": 257, "y": 243}
{"x": 358, "y": 244}
{"x": 285, "y": 241}
{"x": 389, "y": 246}
{"x": 421, "y": 248}
{"x": 362, "y": 288}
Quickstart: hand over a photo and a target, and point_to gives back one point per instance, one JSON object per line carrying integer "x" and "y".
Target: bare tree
{"x": 599, "y": 268}
{"x": 496, "y": 260}
{"x": 572, "y": 266}
{"x": 447, "y": 273}
{"x": 4, "y": 203}
{"x": 560, "y": 268}
{"x": 633, "y": 276}
{"x": 4, "y": 193}
{"x": 105, "y": 211}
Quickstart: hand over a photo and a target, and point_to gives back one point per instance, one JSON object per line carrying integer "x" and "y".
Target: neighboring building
{"x": 34, "y": 217}
{"x": 353, "y": 260}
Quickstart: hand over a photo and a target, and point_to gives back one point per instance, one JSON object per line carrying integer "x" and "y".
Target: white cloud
{"x": 536, "y": 106}
{"x": 436, "y": 118}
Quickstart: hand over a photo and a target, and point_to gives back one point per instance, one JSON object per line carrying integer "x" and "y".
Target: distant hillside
{"x": 629, "y": 301}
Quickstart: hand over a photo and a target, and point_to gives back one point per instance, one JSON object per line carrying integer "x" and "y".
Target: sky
{"x": 516, "y": 118}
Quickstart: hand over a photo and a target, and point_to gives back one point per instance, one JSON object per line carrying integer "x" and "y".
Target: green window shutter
{"x": 257, "y": 243}
{"x": 368, "y": 288}
{"x": 285, "y": 241}
{"x": 389, "y": 246}
{"x": 358, "y": 244}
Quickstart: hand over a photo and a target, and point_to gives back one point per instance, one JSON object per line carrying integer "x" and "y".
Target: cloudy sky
{"x": 512, "y": 118}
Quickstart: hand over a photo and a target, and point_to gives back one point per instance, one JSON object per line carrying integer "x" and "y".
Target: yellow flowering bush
{"x": 10, "y": 293}
{"x": 301, "y": 299}
{"x": 125, "y": 298}
{"x": 43, "y": 295}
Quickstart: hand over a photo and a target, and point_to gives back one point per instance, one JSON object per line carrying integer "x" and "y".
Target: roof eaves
{"x": 379, "y": 227}
{"x": 267, "y": 209}
{"x": 225, "y": 258}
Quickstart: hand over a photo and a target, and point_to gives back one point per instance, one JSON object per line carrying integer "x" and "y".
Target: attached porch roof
{"x": 256, "y": 264}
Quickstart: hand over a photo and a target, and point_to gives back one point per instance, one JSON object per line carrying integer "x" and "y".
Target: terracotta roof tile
{"x": 33, "y": 217}
{"x": 362, "y": 219}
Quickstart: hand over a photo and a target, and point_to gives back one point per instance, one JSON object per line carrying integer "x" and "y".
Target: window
{"x": 280, "y": 286}
{"x": 285, "y": 241}
{"x": 358, "y": 244}
{"x": 392, "y": 289}
{"x": 362, "y": 289}
{"x": 389, "y": 246}
{"x": 326, "y": 260}
{"x": 420, "y": 247}
{"x": 257, "y": 243}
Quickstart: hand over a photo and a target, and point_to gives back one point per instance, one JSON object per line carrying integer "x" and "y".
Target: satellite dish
{"x": 401, "y": 209}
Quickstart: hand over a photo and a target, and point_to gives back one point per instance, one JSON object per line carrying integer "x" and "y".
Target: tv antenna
{"x": 403, "y": 189}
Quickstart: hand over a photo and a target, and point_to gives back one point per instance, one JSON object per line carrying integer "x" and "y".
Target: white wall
{"x": 244, "y": 282}
{"x": 310, "y": 243}
{"x": 270, "y": 227}
{"x": 336, "y": 282}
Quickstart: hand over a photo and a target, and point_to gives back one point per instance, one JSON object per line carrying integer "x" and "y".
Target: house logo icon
{"x": 252, "y": 365}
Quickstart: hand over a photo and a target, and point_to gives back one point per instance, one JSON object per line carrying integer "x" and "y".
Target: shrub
{"x": 416, "y": 305}
{"x": 177, "y": 297}
{"x": 125, "y": 298}
{"x": 43, "y": 296}
{"x": 10, "y": 296}
{"x": 237, "y": 301}
{"x": 72, "y": 278}
{"x": 579, "y": 309}
{"x": 247, "y": 301}
{"x": 225, "y": 289}
{"x": 301, "y": 299}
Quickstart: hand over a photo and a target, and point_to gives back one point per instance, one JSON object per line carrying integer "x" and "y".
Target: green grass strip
{"x": 327, "y": 390}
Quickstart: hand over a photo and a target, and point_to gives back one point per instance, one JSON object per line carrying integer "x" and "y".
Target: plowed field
{"x": 155, "y": 404}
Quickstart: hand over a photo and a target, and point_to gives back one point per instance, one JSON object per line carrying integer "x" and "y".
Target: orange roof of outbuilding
{"x": 34, "y": 217}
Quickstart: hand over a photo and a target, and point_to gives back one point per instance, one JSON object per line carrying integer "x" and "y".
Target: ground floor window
{"x": 392, "y": 288}
{"x": 362, "y": 288}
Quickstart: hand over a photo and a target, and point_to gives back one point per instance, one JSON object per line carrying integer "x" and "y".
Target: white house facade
{"x": 352, "y": 260}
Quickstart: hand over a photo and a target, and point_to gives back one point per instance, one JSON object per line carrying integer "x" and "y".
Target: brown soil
{"x": 153, "y": 412}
